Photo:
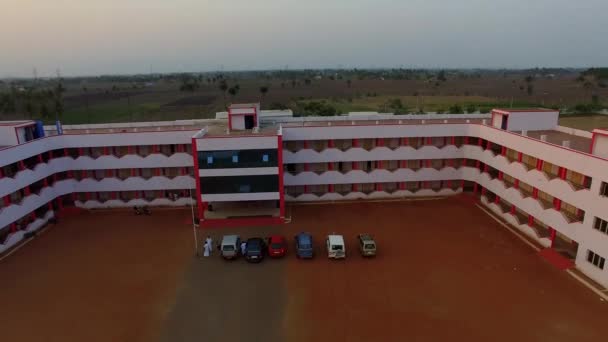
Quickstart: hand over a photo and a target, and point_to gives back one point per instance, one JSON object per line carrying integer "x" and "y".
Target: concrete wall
{"x": 532, "y": 121}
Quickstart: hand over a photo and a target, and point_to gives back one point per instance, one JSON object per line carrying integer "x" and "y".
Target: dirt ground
{"x": 445, "y": 271}
{"x": 105, "y": 276}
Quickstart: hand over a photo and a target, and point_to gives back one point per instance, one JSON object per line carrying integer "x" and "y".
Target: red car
{"x": 277, "y": 246}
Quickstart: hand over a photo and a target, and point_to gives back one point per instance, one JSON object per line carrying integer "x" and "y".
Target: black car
{"x": 255, "y": 250}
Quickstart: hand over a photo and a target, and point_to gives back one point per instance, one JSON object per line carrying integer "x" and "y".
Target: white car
{"x": 336, "y": 249}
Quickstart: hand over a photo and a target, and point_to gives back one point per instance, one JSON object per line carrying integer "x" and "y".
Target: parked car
{"x": 277, "y": 246}
{"x": 336, "y": 249}
{"x": 229, "y": 247}
{"x": 367, "y": 245}
{"x": 304, "y": 246}
{"x": 255, "y": 250}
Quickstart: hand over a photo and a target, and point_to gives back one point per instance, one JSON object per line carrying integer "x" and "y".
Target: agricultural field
{"x": 585, "y": 122}
{"x": 187, "y": 96}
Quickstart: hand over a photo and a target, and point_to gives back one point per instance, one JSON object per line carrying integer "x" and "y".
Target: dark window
{"x": 237, "y": 158}
{"x": 604, "y": 189}
{"x": 601, "y": 225}
{"x": 595, "y": 259}
{"x": 239, "y": 184}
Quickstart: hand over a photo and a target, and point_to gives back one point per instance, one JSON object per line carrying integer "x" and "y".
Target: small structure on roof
{"x": 599, "y": 142}
{"x": 19, "y": 132}
{"x": 531, "y": 119}
{"x": 243, "y": 116}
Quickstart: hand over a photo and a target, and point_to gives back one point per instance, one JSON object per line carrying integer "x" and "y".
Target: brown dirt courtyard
{"x": 445, "y": 271}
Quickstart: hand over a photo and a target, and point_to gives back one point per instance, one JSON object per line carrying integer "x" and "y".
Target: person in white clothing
{"x": 209, "y": 242}
{"x": 243, "y": 247}
{"x": 207, "y": 249}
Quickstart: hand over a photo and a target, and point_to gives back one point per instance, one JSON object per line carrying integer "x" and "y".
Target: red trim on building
{"x": 199, "y": 201}
{"x": 557, "y": 203}
{"x": 553, "y": 235}
{"x": 520, "y": 157}
{"x": 281, "y": 175}
{"x": 242, "y": 222}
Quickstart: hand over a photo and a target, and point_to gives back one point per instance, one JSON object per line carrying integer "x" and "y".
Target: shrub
{"x": 456, "y": 109}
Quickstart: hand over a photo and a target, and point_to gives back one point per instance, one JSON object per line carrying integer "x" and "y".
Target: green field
{"x": 585, "y": 122}
{"x": 416, "y": 103}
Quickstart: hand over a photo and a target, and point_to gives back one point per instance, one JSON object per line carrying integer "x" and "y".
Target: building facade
{"x": 547, "y": 181}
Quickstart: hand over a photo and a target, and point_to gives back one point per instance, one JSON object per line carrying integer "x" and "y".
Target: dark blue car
{"x": 304, "y": 246}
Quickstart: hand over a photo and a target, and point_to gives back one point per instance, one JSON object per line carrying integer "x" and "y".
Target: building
{"x": 549, "y": 182}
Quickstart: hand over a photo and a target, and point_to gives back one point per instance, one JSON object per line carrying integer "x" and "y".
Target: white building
{"x": 549, "y": 182}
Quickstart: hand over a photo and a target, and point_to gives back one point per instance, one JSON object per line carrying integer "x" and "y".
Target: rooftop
{"x": 578, "y": 143}
{"x": 525, "y": 110}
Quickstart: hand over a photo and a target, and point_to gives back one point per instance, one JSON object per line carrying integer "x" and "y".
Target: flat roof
{"x": 526, "y": 110}
{"x": 243, "y": 105}
{"x": 578, "y": 143}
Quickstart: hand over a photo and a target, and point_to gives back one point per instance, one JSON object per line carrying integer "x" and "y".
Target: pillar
{"x": 497, "y": 199}
{"x": 503, "y": 151}
{"x": 7, "y": 200}
{"x": 330, "y": 143}
{"x": 513, "y": 209}
{"x": 516, "y": 184}
{"x": 404, "y": 141}
{"x": 520, "y": 157}
{"x": 557, "y": 203}
{"x": 355, "y": 143}
{"x": 530, "y": 220}
{"x": 331, "y": 188}
{"x": 539, "y": 164}
{"x": 562, "y": 172}
{"x": 378, "y": 186}
{"x": 535, "y": 193}
{"x": 553, "y": 235}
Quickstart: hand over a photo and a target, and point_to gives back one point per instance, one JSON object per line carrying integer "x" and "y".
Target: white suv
{"x": 336, "y": 249}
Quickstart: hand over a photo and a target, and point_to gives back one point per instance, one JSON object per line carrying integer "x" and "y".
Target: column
{"x": 553, "y": 235}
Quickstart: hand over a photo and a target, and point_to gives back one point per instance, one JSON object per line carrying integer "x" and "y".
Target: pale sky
{"x": 90, "y": 37}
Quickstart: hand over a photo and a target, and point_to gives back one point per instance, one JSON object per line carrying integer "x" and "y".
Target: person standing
{"x": 243, "y": 248}
{"x": 209, "y": 241}
{"x": 207, "y": 249}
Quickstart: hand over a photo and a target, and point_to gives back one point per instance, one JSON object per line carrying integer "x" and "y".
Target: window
{"x": 229, "y": 159}
{"x": 239, "y": 184}
{"x": 604, "y": 189}
{"x": 601, "y": 225}
{"x": 595, "y": 259}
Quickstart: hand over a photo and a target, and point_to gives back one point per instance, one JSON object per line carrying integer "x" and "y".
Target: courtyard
{"x": 444, "y": 271}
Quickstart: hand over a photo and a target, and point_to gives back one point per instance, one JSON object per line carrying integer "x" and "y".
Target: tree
{"x": 263, "y": 90}
{"x": 348, "y": 83}
{"x": 44, "y": 111}
{"x": 530, "y": 89}
{"x": 441, "y": 76}
{"x": 471, "y": 108}
{"x": 233, "y": 91}
{"x": 223, "y": 87}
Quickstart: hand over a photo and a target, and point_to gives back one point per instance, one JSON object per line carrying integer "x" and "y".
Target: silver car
{"x": 229, "y": 247}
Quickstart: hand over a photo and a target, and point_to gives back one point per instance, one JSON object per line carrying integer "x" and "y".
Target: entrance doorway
{"x": 249, "y": 121}
{"x": 503, "y": 124}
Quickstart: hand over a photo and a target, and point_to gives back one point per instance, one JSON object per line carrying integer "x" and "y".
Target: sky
{"x": 92, "y": 37}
